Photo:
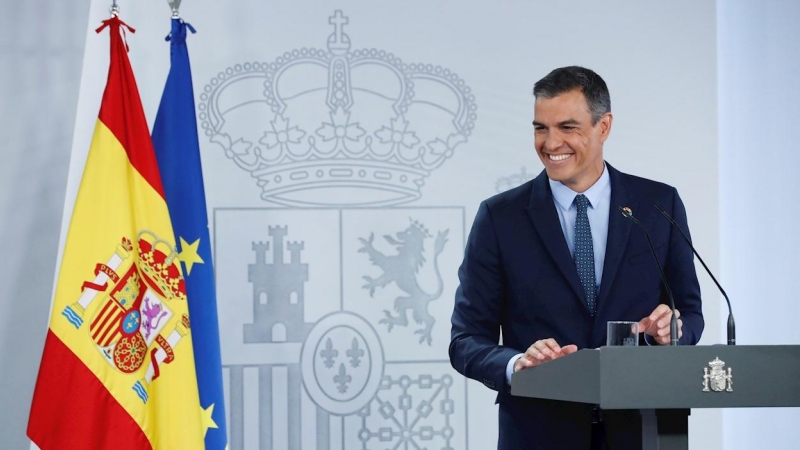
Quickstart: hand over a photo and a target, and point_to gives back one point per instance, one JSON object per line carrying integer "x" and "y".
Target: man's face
{"x": 570, "y": 147}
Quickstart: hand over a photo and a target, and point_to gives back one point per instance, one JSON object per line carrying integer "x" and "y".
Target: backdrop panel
{"x": 346, "y": 147}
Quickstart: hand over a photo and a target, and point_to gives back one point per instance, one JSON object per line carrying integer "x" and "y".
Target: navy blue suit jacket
{"x": 519, "y": 280}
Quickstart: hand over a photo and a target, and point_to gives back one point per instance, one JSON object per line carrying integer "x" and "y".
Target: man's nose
{"x": 554, "y": 141}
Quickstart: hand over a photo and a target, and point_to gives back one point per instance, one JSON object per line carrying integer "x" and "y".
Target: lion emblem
{"x": 402, "y": 269}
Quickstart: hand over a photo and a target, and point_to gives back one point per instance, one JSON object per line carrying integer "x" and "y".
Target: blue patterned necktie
{"x": 584, "y": 252}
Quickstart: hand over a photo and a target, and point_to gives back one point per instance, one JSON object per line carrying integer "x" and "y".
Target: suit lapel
{"x": 618, "y": 230}
{"x": 543, "y": 214}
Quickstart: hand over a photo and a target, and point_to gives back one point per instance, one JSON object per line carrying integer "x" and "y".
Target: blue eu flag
{"x": 178, "y": 153}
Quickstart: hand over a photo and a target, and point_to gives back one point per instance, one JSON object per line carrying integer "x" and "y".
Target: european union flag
{"x": 178, "y": 153}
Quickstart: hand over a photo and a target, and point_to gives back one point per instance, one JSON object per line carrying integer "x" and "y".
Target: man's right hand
{"x": 542, "y": 351}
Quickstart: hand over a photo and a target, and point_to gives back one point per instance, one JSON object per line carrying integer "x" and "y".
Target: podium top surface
{"x": 669, "y": 377}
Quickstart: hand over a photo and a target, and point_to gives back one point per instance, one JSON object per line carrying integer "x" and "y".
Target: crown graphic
{"x": 419, "y": 226}
{"x": 336, "y": 126}
{"x": 717, "y": 364}
{"x": 160, "y": 267}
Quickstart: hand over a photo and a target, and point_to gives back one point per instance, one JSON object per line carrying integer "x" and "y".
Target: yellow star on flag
{"x": 208, "y": 422}
{"x": 189, "y": 254}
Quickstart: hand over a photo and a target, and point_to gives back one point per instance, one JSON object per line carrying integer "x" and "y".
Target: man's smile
{"x": 560, "y": 157}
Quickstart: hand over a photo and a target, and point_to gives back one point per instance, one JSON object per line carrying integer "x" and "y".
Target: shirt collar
{"x": 566, "y": 196}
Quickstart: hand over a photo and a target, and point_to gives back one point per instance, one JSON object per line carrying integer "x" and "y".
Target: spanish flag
{"x": 118, "y": 368}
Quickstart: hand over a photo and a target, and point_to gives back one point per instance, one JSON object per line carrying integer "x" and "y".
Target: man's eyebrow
{"x": 560, "y": 124}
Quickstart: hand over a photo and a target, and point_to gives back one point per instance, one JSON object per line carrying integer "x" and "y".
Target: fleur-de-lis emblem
{"x": 355, "y": 354}
{"x": 329, "y": 354}
{"x": 342, "y": 379}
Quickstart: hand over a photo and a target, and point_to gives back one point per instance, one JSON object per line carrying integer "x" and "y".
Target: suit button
{"x": 488, "y": 383}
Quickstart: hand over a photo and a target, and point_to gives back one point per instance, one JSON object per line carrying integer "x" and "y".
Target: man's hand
{"x": 657, "y": 324}
{"x": 542, "y": 351}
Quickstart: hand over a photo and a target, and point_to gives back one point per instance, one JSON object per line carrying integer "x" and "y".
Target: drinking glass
{"x": 621, "y": 333}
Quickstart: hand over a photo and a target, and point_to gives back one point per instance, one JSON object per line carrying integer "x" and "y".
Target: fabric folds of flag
{"x": 117, "y": 369}
{"x": 178, "y": 153}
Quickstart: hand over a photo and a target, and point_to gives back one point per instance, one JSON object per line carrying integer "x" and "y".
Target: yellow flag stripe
{"x": 114, "y": 202}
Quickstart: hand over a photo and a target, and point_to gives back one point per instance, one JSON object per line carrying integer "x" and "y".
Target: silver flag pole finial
{"x": 114, "y": 10}
{"x": 175, "y": 5}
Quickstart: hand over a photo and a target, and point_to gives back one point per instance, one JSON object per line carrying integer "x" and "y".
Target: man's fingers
{"x": 665, "y": 322}
{"x": 534, "y": 353}
{"x": 553, "y": 345}
{"x": 664, "y": 319}
{"x": 644, "y": 324}
{"x": 540, "y": 351}
{"x": 569, "y": 349}
{"x": 658, "y": 312}
{"x": 547, "y": 349}
{"x": 660, "y": 329}
{"x": 523, "y": 363}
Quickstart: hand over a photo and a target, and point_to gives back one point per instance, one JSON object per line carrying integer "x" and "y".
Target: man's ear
{"x": 605, "y": 125}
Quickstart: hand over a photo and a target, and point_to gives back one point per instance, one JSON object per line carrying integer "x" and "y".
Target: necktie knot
{"x": 581, "y": 202}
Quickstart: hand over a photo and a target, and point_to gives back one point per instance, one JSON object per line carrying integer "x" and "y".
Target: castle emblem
{"x": 360, "y": 126}
{"x": 132, "y": 292}
{"x": 278, "y": 292}
{"x": 717, "y": 379}
{"x": 402, "y": 269}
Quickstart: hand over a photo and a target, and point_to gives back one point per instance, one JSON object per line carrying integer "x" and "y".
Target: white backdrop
{"x": 660, "y": 64}
{"x": 41, "y": 49}
{"x": 759, "y": 161}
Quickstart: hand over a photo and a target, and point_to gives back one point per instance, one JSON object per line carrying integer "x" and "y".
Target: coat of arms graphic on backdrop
{"x": 334, "y": 299}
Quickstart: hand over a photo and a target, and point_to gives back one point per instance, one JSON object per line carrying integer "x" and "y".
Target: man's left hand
{"x": 657, "y": 324}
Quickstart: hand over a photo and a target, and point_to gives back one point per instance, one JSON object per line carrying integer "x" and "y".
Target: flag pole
{"x": 175, "y": 5}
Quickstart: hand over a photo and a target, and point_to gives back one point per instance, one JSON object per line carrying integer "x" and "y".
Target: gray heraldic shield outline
{"x": 316, "y": 357}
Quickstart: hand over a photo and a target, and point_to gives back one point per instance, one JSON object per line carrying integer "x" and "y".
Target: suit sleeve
{"x": 680, "y": 272}
{"x": 479, "y": 303}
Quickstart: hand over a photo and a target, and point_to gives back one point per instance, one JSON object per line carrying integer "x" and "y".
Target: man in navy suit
{"x": 547, "y": 264}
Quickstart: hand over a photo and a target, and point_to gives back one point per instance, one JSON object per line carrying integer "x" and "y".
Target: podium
{"x": 664, "y": 383}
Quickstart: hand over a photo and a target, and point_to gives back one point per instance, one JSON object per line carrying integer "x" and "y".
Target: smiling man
{"x": 547, "y": 264}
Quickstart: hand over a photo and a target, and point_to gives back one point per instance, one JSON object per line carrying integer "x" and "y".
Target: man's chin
{"x": 555, "y": 174}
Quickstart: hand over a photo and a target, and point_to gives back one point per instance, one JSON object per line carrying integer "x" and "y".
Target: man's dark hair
{"x": 567, "y": 79}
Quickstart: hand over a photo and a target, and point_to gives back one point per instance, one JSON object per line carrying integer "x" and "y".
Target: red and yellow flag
{"x": 117, "y": 369}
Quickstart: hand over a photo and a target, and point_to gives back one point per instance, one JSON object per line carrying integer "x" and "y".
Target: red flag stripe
{"x": 72, "y": 409}
{"x": 122, "y": 112}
